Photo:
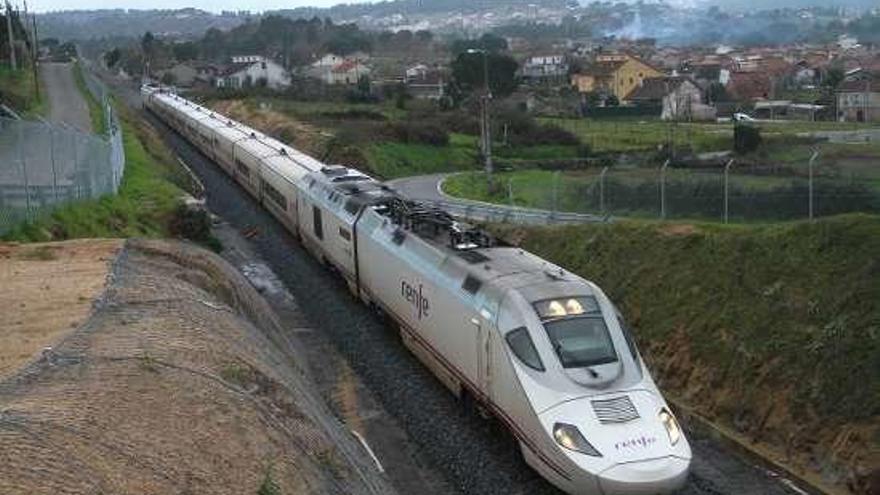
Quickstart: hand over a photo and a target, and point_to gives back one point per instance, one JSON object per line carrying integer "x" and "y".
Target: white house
{"x": 545, "y": 67}
{"x": 679, "y": 98}
{"x": 348, "y": 72}
{"x": 257, "y": 71}
{"x": 247, "y": 59}
{"x": 417, "y": 72}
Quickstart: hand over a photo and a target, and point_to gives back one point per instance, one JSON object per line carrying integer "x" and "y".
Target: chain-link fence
{"x": 43, "y": 165}
{"x": 732, "y": 193}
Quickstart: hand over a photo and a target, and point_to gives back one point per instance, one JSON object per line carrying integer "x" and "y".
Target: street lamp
{"x": 485, "y": 128}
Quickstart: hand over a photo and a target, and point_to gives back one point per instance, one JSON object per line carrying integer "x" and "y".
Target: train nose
{"x": 650, "y": 477}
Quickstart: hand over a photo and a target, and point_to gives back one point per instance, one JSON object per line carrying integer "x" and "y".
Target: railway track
{"x": 474, "y": 455}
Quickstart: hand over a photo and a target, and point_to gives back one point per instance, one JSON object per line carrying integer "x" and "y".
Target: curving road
{"x": 66, "y": 104}
{"x": 426, "y": 188}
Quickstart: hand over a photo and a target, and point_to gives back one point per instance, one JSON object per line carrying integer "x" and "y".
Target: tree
{"x": 468, "y": 70}
{"x": 833, "y": 77}
{"x": 185, "y": 51}
{"x": 112, "y": 57}
{"x": 168, "y": 78}
{"x": 364, "y": 85}
{"x": 716, "y": 92}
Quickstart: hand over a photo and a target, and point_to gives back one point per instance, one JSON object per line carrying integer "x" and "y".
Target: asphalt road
{"x": 474, "y": 456}
{"x": 66, "y": 104}
{"x": 426, "y": 188}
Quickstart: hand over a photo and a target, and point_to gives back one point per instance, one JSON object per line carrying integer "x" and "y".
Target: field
{"x": 629, "y": 134}
{"x": 771, "y": 330}
{"x": 755, "y": 194}
{"x": 362, "y": 138}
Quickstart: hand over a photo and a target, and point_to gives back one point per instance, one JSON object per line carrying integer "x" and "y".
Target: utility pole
{"x": 35, "y": 47}
{"x": 663, "y": 189}
{"x": 727, "y": 189}
{"x": 12, "y": 61}
{"x": 485, "y": 124}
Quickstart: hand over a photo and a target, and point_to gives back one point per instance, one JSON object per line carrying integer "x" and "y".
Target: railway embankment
{"x": 772, "y": 332}
{"x": 168, "y": 373}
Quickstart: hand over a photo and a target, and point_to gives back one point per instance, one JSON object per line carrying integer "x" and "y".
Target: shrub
{"x": 194, "y": 224}
{"x": 420, "y": 133}
{"x": 746, "y": 138}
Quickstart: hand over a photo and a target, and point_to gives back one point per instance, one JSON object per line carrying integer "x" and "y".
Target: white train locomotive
{"x": 542, "y": 349}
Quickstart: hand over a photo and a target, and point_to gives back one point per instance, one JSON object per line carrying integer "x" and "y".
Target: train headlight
{"x": 570, "y": 437}
{"x": 671, "y": 426}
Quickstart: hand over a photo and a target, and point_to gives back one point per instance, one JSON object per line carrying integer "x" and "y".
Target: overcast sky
{"x": 213, "y": 5}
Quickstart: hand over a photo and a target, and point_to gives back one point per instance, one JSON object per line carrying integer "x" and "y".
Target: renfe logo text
{"x": 414, "y": 296}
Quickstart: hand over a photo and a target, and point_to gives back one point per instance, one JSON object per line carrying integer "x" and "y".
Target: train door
{"x": 484, "y": 355}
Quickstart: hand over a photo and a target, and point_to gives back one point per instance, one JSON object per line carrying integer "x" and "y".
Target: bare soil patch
{"x": 47, "y": 291}
{"x": 182, "y": 381}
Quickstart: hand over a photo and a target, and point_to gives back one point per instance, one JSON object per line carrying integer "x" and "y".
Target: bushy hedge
{"x": 420, "y": 133}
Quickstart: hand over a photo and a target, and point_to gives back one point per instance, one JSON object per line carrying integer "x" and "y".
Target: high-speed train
{"x": 543, "y": 350}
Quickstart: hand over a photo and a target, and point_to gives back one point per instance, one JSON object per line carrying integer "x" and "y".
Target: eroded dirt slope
{"x": 46, "y": 292}
{"x": 182, "y": 381}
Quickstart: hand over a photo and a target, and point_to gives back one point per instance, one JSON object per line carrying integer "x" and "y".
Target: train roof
{"x": 285, "y": 160}
{"x": 464, "y": 247}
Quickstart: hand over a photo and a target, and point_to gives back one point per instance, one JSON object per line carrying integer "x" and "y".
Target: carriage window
{"x": 318, "y": 223}
{"x": 344, "y": 234}
{"x": 275, "y": 195}
{"x": 524, "y": 349}
{"x": 242, "y": 168}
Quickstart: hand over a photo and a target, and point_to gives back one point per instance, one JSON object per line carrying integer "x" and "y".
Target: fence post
{"x": 663, "y": 189}
{"x": 602, "y": 190}
{"x": 27, "y": 187}
{"x": 510, "y": 191}
{"x": 726, "y": 189}
{"x": 52, "y": 158}
{"x": 812, "y": 160}
{"x": 555, "y": 192}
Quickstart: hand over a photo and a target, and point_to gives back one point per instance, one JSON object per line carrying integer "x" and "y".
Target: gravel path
{"x": 66, "y": 103}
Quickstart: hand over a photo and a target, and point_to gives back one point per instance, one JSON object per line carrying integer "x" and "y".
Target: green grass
{"x": 146, "y": 200}
{"x": 18, "y": 91}
{"x": 691, "y": 194}
{"x": 629, "y": 134}
{"x": 736, "y": 320}
{"x": 392, "y": 159}
{"x": 311, "y": 111}
{"x": 96, "y": 111}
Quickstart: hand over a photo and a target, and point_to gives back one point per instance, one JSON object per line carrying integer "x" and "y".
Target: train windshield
{"x": 577, "y": 331}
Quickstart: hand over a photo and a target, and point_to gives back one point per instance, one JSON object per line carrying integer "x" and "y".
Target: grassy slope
{"x": 390, "y": 159}
{"x": 17, "y": 89}
{"x": 96, "y": 113}
{"x": 146, "y": 200}
{"x": 772, "y": 330}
